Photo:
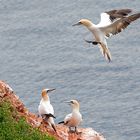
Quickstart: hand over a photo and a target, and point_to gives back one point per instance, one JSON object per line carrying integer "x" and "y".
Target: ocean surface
{"x": 39, "y": 48}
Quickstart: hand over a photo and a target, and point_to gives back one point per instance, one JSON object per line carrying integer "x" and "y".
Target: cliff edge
{"x": 7, "y": 94}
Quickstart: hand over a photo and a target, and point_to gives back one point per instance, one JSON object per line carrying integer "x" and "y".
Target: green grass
{"x": 11, "y": 129}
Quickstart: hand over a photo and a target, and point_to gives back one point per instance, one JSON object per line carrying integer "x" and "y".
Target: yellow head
{"x": 45, "y": 93}
{"x": 84, "y": 22}
{"x": 74, "y": 103}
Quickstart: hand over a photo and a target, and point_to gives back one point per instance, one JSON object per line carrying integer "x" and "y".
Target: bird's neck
{"x": 43, "y": 101}
{"x": 75, "y": 109}
{"x": 46, "y": 98}
{"x": 92, "y": 26}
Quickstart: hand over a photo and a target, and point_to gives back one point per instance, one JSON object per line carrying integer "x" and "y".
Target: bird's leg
{"x": 93, "y": 42}
{"x": 69, "y": 129}
{"x": 76, "y": 131}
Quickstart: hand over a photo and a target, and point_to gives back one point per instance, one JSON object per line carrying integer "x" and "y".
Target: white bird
{"x": 112, "y": 22}
{"x": 46, "y": 109}
{"x": 75, "y": 118}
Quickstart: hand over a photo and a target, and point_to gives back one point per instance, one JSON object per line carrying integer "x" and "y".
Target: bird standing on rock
{"x": 46, "y": 109}
{"x": 112, "y": 22}
{"x": 75, "y": 118}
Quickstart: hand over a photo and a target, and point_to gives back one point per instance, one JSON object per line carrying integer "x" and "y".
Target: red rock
{"x": 7, "y": 93}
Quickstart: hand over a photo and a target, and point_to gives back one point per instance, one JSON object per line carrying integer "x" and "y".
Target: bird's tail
{"x": 61, "y": 122}
{"x": 53, "y": 126}
{"x": 105, "y": 51}
{"x": 52, "y": 123}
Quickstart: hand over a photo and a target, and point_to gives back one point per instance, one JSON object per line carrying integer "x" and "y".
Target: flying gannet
{"x": 73, "y": 119}
{"x": 112, "y": 22}
{"x": 46, "y": 109}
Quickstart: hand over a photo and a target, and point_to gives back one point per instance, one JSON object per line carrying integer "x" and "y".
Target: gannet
{"x": 112, "y": 22}
{"x": 73, "y": 119}
{"x": 46, "y": 109}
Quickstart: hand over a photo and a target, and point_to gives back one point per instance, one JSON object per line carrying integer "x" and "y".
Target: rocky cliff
{"x": 8, "y": 94}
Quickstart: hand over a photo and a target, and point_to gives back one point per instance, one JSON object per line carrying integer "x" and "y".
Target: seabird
{"x": 112, "y": 22}
{"x": 73, "y": 119}
{"x": 45, "y": 108}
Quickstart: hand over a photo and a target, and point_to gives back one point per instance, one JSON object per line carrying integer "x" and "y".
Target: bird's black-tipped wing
{"x": 118, "y": 13}
{"x": 119, "y": 25}
{"x": 61, "y": 122}
{"x": 46, "y": 116}
{"x": 109, "y": 17}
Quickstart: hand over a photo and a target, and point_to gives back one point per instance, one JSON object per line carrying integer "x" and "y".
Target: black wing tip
{"x": 49, "y": 115}
{"x": 137, "y": 14}
{"x": 118, "y": 13}
{"x": 132, "y": 18}
{"x": 61, "y": 122}
{"x": 126, "y": 10}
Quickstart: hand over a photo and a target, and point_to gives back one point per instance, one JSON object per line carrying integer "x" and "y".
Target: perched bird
{"x": 73, "y": 119}
{"x": 112, "y": 22}
{"x": 46, "y": 109}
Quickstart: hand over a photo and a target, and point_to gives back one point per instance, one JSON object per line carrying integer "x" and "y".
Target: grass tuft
{"x": 12, "y": 128}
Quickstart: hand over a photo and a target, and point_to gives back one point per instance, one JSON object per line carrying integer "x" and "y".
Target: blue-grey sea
{"x": 39, "y": 48}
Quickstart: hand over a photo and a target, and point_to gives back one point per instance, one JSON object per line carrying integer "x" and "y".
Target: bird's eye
{"x": 72, "y": 102}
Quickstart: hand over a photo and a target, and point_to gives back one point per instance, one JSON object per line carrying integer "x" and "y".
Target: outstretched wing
{"x": 114, "y": 14}
{"x": 119, "y": 25}
{"x": 109, "y": 17}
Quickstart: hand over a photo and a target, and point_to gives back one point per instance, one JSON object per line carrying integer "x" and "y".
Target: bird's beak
{"x": 79, "y": 23}
{"x": 51, "y": 89}
{"x": 68, "y": 102}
